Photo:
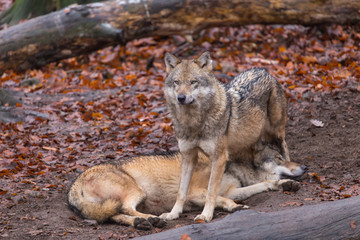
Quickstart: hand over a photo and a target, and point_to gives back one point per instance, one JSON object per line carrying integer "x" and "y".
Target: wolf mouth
{"x": 185, "y": 103}
{"x": 292, "y": 177}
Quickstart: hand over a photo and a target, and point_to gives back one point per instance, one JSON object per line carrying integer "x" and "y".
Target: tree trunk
{"x": 331, "y": 220}
{"x": 82, "y": 29}
{"x": 25, "y": 9}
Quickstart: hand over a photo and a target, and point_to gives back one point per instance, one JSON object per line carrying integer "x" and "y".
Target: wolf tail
{"x": 99, "y": 211}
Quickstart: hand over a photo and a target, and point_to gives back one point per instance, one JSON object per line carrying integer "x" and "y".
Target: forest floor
{"x": 65, "y": 117}
{"x": 331, "y": 153}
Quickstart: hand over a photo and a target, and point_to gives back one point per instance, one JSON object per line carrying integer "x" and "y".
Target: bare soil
{"x": 331, "y": 153}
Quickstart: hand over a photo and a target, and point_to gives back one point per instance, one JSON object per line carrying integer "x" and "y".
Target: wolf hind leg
{"x": 135, "y": 218}
{"x": 138, "y": 223}
{"x": 132, "y": 217}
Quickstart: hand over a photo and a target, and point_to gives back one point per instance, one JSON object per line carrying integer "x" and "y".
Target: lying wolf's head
{"x": 189, "y": 80}
{"x": 283, "y": 169}
{"x": 274, "y": 164}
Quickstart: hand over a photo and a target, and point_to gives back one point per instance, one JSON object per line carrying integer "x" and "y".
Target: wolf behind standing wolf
{"x": 223, "y": 122}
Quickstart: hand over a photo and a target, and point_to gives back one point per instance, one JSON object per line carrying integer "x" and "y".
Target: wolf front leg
{"x": 217, "y": 171}
{"x": 188, "y": 162}
{"x": 242, "y": 193}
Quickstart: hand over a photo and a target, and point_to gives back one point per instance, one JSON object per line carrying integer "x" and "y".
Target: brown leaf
{"x": 35, "y": 232}
{"x": 109, "y": 57}
{"x": 3, "y": 192}
{"x": 97, "y": 116}
{"x": 49, "y": 148}
{"x": 282, "y": 49}
{"x": 309, "y": 59}
{"x": 353, "y": 224}
{"x": 185, "y": 236}
{"x": 200, "y": 221}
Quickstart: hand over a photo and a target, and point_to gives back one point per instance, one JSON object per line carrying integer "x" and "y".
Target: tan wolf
{"x": 132, "y": 192}
{"x": 223, "y": 122}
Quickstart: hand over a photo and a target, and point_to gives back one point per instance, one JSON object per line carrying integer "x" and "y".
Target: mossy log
{"x": 81, "y": 29}
{"x": 332, "y": 220}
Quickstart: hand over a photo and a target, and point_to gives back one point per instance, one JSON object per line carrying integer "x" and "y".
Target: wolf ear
{"x": 170, "y": 62}
{"x": 204, "y": 61}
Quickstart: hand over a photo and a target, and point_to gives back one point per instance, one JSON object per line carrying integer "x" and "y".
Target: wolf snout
{"x": 304, "y": 168}
{"x": 184, "y": 100}
{"x": 181, "y": 98}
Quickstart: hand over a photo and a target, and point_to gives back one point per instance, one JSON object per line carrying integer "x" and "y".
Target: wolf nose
{"x": 304, "y": 168}
{"x": 181, "y": 98}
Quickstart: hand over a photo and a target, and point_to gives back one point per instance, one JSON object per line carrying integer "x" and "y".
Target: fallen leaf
{"x": 200, "y": 221}
{"x": 309, "y": 59}
{"x": 49, "y": 148}
{"x": 35, "y": 232}
{"x": 282, "y": 49}
{"x": 185, "y": 237}
{"x": 97, "y": 116}
{"x": 317, "y": 123}
{"x": 353, "y": 224}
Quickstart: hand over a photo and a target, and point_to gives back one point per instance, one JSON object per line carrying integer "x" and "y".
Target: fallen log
{"x": 81, "y": 29}
{"x": 332, "y": 220}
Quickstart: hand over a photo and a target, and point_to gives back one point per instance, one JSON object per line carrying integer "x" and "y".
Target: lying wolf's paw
{"x": 157, "y": 222}
{"x": 142, "y": 224}
{"x": 290, "y": 185}
{"x": 237, "y": 208}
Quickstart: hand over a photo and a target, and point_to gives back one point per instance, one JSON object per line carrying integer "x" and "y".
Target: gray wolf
{"x": 133, "y": 192}
{"x": 223, "y": 122}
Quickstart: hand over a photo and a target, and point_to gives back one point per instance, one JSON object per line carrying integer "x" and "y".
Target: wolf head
{"x": 283, "y": 169}
{"x": 274, "y": 164}
{"x": 188, "y": 81}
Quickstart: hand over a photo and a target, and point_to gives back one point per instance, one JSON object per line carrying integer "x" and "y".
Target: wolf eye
{"x": 268, "y": 160}
{"x": 176, "y": 82}
{"x": 193, "y": 82}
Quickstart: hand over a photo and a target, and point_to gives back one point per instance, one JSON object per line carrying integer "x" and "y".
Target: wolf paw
{"x": 290, "y": 186}
{"x": 142, "y": 224}
{"x": 237, "y": 208}
{"x": 169, "y": 216}
{"x": 202, "y": 218}
{"x": 157, "y": 222}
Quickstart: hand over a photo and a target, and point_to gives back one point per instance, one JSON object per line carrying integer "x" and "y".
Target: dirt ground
{"x": 331, "y": 153}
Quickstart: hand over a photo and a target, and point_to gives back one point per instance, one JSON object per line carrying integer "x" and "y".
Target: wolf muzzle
{"x": 183, "y": 100}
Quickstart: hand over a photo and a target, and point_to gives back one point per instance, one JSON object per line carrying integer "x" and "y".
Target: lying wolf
{"x": 133, "y": 192}
{"x": 222, "y": 121}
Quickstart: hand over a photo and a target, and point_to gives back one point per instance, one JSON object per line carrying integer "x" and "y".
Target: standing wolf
{"x": 223, "y": 122}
